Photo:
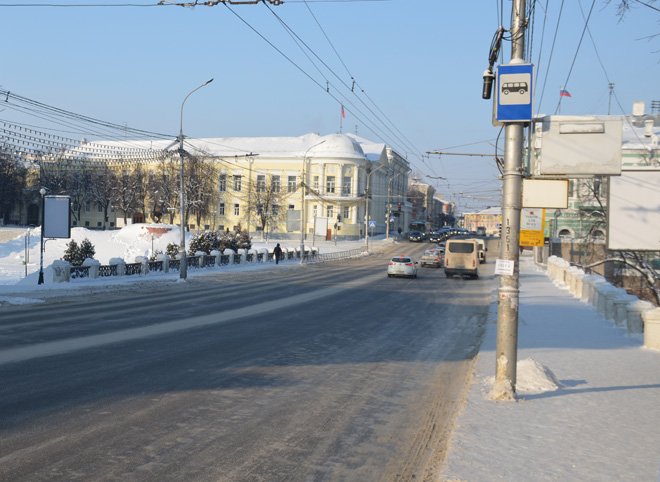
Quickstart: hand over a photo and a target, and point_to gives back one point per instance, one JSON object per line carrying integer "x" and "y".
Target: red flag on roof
{"x": 564, "y": 93}
{"x": 343, "y": 114}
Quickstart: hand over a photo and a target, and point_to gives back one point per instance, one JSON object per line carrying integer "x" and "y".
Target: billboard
{"x": 576, "y": 146}
{"x": 545, "y": 193}
{"x": 633, "y": 222}
{"x": 57, "y": 217}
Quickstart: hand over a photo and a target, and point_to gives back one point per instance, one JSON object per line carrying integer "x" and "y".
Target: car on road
{"x": 402, "y": 266}
{"x": 435, "y": 237}
{"x": 462, "y": 258}
{"x": 431, "y": 257}
{"x": 415, "y": 236}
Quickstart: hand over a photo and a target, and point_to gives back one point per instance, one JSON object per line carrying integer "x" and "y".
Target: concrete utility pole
{"x": 507, "y": 308}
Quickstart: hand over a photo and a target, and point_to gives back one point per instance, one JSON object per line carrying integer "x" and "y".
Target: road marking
{"x": 23, "y": 353}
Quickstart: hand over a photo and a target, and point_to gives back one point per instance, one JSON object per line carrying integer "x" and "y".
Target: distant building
{"x": 490, "y": 219}
{"x": 343, "y": 175}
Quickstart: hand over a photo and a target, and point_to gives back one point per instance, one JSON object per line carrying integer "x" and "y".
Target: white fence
{"x": 613, "y": 303}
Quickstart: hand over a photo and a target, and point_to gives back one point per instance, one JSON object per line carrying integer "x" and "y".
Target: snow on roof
{"x": 374, "y": 151}
{"x": 312, "y": 145}
{"x": 492, "y": 210}
{"x": 634, "y": 133}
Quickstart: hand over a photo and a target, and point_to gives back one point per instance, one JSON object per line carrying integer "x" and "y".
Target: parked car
{"x": 431, "y": 257}
{"x": 402, "y": 266}
{"x": 415, "y": 236}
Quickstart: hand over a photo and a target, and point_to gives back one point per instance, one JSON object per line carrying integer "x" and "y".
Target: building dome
{"x": 337, "y": 146}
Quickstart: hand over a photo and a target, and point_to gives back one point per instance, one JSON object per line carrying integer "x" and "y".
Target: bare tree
{"x": 265, "y": 202}
{"x": 163, "y": 187}
{"x": 124, "y": 193}
{"x": 102, "y": 187}
{"x": 201, "y": 187}
{"x": 13, "y": 176}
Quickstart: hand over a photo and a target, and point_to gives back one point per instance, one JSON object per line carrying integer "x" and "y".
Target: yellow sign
{"x": 532, "y": 222}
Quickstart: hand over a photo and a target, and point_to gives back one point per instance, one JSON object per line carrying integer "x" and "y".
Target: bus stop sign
{"x": 514, "y": 93}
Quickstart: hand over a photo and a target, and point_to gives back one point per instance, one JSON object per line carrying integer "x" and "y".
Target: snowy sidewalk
{"x": 602, "y": 422}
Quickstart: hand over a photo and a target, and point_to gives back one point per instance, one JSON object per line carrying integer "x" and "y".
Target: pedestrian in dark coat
{"x": 277, "y": 253}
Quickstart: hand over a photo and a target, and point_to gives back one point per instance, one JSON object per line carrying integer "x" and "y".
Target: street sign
{"x": 531, "y": 227}
{"x": 372, "y": 224}
{"x": 514, "y": 93}
{"x": 504, "y": 266}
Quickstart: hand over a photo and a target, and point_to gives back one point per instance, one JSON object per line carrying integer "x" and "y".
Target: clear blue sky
{"x": 420, "y": 61}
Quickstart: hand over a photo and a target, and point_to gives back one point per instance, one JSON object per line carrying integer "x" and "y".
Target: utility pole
{"x": 609, "y": 103}
{"x": 508, "y": 299}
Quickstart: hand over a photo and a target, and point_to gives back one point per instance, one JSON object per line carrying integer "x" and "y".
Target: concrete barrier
{"x": 579, "y": 284}
{"x": 603, "y": 292}
{"x": 144, "y": 261}
{"x": 609, "y": 310}
{"x": 230, "y": 253}
{"x": 634, "y": 322}
{"x": 589, "y": 287}
{"x": 121, "y": 265}
{"x": 620, "y": 310}
{"x": 652, "y": 328}
{"x": 166, "y": 261}
{"x": 61, "y": 271}
{"x": 93, "y": 265}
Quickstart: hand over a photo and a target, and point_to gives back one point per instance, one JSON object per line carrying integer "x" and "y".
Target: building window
{"x": 221, "y": 209}
{"x": 222, "y": 183}
{"x": 86, "y": 224}
{"x": 261, "y": 183}
{"x": 291, "y": 184}
{"x": 221, "y": 228}
{"x": 237, "y": 209}
{"x": 275, "y": 210}
{"x": 330, "y": 184}
{"x": 276, "y": 183}
{"x": 346, "y": 185}
{"x": 98, "y": 224}
{"x": 330, "y": 211}
{"x": 237, "y": 183}
{"x": 88, "y": 207}
{"x": 347, "y": 212}
{"x": 315, "y": 184}
{"x": 292, "y": 207}
{"x": 99, "y": 208}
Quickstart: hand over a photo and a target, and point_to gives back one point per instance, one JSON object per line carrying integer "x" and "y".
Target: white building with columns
{"x": 334, "y": 169}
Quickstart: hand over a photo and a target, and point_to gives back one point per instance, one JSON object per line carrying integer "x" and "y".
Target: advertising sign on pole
{"x": 57, "y": 217}
{"x": 531, "y": 227}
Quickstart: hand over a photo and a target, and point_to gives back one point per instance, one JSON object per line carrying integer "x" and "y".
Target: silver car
{"x": 402, "y": 266}
{"x": 431, "y": 257}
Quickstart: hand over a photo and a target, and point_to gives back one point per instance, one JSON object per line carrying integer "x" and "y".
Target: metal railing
{"x": 208, "y": 261}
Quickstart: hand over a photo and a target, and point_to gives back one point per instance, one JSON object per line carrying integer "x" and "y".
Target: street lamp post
{"x": 302, "y": 203}
{"x": 366, "y": 207}
{"x": 42, "y": 191}
{"x": 183, "y": 268}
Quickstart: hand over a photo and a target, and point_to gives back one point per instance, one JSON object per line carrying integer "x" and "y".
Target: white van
{"x": 482, "y": 249}
{"x": 462, "y": 258}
